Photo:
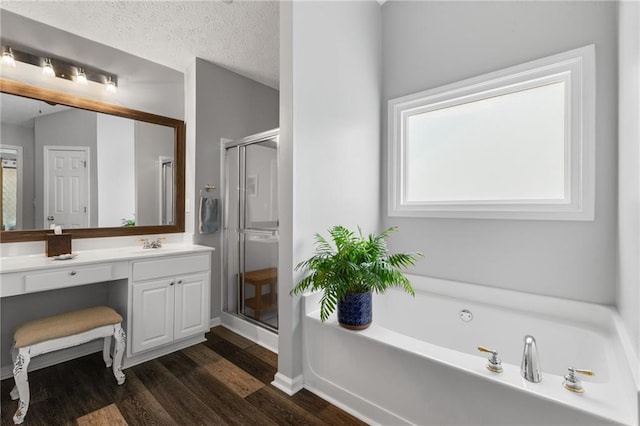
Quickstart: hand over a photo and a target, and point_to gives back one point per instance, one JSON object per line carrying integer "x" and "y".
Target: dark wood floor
{"x": 225, "y": 380}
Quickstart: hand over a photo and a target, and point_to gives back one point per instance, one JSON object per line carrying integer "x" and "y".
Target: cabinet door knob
{"x": 72, "y": 273}
{"x": 179, "y": 281}
{"x": 172, "y": 283}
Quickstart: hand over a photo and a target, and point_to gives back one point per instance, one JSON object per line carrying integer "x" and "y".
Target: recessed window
{"x": 515, "y": 144}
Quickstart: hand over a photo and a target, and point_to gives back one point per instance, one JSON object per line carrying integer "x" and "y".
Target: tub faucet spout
{"x": 530, "y": 367}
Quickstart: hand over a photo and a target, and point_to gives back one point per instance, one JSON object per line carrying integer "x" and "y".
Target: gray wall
{"x": 24, "y": 137}
{"x": 429, "y": 44}
{"x": 629, "y": 163}
{"x": 53, "y": 130}
{"x": 230, "y": 106}
{"x": 330, "y": 139}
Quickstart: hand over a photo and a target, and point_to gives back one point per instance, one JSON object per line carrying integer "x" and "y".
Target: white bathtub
{"x": 418, "y": 363}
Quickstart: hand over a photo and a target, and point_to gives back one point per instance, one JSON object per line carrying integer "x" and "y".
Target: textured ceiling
{"x": 242, "y": 36}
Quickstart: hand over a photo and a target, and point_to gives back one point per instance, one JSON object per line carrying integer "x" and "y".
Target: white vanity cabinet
{"x": 162, "y": 294}
{"x": 169, "y": 300}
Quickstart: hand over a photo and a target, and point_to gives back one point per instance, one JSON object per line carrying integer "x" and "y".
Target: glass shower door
{"x": 252, "y": 230}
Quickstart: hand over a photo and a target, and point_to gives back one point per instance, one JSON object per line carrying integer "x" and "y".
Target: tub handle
{"x": 494, "y": 364}
{"x": 585, "y": 372}
{"x": 483, "y": 349}
{"x": 572, "y": 382}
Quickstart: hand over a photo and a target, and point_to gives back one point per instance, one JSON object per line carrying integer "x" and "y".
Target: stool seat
{"x": 64, "y": 325}
{"x": 59, "y": 332}
{"x": 258, "y": 279}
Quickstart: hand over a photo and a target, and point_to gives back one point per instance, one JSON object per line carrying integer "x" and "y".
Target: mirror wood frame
{"x": 33, "y": 92}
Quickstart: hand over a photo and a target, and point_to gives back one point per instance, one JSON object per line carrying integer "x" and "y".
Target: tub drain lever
{"x": 494, "y": 363}
{"x": 573, "y": 382}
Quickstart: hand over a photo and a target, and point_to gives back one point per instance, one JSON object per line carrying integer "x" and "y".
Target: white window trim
{"x": 576, "y": 68}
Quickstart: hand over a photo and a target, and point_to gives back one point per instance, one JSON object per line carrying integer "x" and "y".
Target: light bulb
{"x": 81, "y": 78}
{"x": 47, "y": 68}
{"x": 111, "y": 86}
{"x": 7, "y": 57}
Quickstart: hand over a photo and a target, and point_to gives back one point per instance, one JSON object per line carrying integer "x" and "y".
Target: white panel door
{"x": 152, "y": 311}
{"x": 67, "y": 188}
{"x": 192, "y": 305}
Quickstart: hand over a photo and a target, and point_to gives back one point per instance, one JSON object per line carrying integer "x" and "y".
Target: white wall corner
{"x": 214, "y": 322}
{"x": 190, "y": 154}
{"x": 288, "y": 385}
{"x": 628, "y": 174}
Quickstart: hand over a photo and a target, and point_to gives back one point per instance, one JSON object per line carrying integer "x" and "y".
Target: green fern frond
{"x": 353, "y": 263}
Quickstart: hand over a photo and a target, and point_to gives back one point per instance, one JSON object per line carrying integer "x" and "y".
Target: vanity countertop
{"x": 85, "y": 257}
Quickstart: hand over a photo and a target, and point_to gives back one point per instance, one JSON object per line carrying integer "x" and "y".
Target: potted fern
{"x": 349, "y": 270}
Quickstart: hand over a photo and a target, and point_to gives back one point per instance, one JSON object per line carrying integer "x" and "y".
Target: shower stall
{"x": 250, "y": 266}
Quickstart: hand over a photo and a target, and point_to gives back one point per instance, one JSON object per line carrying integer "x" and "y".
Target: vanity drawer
{"x": 11, "y": 284}
{"x": 67, "y": 277}
{"x": 150, "y": 269}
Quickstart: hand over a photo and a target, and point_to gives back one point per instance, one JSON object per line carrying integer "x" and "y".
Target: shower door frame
{"x": 227, "y": 144}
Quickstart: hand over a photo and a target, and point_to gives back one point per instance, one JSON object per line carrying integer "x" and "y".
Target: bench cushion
{"x": 64, "y": 325}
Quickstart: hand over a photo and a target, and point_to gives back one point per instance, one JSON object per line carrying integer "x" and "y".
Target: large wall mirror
{"x": 95, "y": 169}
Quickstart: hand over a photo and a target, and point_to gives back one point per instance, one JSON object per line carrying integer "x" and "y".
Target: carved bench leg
{"x": 14, "y": 393}
{"x": 120, "y": 339}
{"x": 20, "y": 366}
{"x": 106, "y": 351}
{"x": 14, "y": 355}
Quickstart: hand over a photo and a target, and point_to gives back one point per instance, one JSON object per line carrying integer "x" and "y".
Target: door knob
{"x": 50, "y": 218}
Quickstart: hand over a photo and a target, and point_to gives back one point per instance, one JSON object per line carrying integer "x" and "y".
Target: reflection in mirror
{"x": 109, "y": 170}
{"x": 166, "y": 189}
{"x": 83, "y": 169}
{"x": 11, "y": 183}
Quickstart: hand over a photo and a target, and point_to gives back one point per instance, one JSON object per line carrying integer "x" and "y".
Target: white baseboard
{"x": 259, "y": 335}
{"x": 214, "y": 322}
{"x": 52, "y": 358}
{"x": 359, "y": 407}
{"x": 164, "y": 350}
{"x": 288, "y": 385}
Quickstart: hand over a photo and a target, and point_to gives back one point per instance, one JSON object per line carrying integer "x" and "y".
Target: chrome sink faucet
{"x": 146, "y": 244}
{"x": 530, "y": 367}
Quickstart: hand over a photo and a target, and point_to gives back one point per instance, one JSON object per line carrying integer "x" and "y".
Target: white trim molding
{"x": 259, "y": 335}
{"x": 288, "y": 385}
{"x": 575, "y": 70}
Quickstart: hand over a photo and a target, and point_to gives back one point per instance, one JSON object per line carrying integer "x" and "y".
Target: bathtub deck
{"x": 420, "y": 346}
{"x": 224, "y": 380}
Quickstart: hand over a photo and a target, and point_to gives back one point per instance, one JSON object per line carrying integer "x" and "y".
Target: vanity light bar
{"x": 60, "y": 68}
{"x": 7, "y": 57}
{"x": 47, "y": 68}
{"x": 81, "y": 77}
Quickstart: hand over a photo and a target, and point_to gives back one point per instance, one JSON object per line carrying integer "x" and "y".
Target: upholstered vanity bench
{"x": 59, "y": 332}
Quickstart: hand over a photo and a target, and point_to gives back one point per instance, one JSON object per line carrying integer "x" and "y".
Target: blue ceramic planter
{"x": 355, "y": 311}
